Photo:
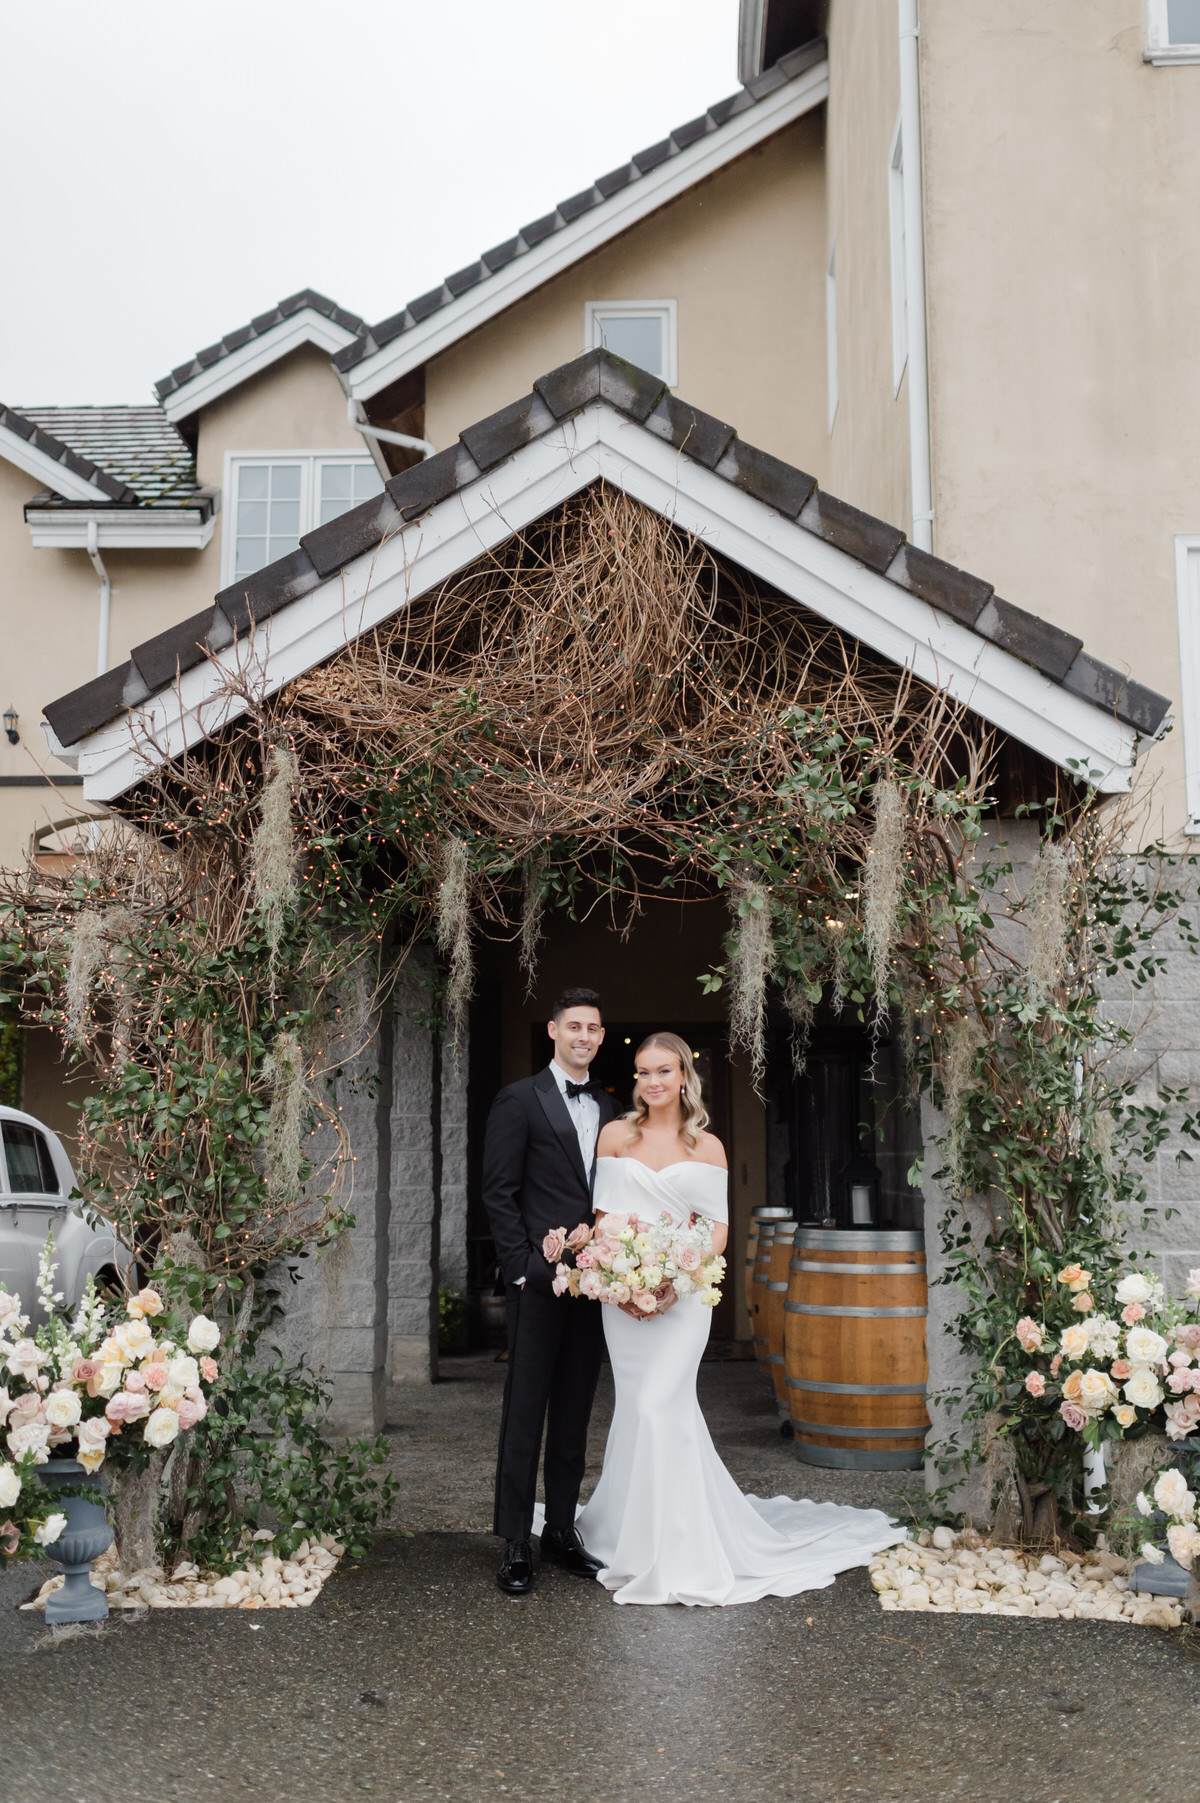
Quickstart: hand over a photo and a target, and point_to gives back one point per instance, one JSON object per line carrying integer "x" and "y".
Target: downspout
{"x": 360, "y": 424}
{"x": 93, "y": 551}
{"x": 914, "y": 281}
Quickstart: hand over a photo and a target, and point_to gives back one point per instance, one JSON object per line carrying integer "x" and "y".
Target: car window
{"x": 30, "y": 1168}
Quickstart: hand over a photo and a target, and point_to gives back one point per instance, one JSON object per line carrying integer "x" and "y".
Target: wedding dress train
{"x": 666, "y": 1518}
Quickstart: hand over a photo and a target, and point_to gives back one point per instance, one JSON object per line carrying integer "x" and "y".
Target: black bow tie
{"x": 581, "y": 1089}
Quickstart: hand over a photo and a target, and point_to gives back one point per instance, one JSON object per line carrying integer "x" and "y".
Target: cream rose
{"x": 1144, "y": 1347}
{"x": 1144, "y": 1390}
{"x": 50, "y": 1530}
{"x": 63, "y": 1408}
{"x": 1134, "y": 1288}
{"x": 184, "y": 1372}
{"x": 1193, "y": 1283}
{"x": 1183, "y": 1542}
{"x": 161, "y": 1428}
{"x": 33, "y": 1437}
{"x": 1124, "y": 1415}
{"x": 1075, "y": 1341}
{"x": 1097, "y": 1391}
{"x": 135, "y": 1339}
{"x": 146, "y": 1302}
{"x": 1173, "y": 1496}
{"x": 10, "y": 1487}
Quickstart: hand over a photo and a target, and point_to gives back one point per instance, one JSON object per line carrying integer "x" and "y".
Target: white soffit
{"x": 121, "y": 528}
{"x": 593, "y": 229}
{"x": 306, "y": 327}
{"x": 55, "y": 476}
{"x": 995, "y": 685}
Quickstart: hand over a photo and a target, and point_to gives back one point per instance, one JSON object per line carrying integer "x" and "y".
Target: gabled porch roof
{"x": 599, "y": 417}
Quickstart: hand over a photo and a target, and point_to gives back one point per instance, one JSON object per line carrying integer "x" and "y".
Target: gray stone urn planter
{"x": 86, "y": 1535}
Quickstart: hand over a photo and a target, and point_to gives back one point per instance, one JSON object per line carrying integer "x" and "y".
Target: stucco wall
{"x": 743, "y": 255}
{"x": 1063, "y": 261}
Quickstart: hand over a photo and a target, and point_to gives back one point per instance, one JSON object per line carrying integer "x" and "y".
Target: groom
{"x": 539, "y": 1157}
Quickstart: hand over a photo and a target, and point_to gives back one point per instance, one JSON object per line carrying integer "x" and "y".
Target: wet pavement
{"x": 413, "y": 1678}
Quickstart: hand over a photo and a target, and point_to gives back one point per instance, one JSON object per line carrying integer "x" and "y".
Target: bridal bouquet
{"x": 642, "y": 1262}
{"x": 106, "y": 1381}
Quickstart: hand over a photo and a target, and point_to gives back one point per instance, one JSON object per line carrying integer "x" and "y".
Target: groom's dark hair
{"x": 576, "y": 998}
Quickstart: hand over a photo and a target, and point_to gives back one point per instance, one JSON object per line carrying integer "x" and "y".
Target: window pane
{"x": 285, "y": 520}
{"x": 285, "y": 481}
{"x": 280, "y": 547}
{"x": 252, "y": 481}
{"x": 346, "y": 485}
{"x": 367, "y": 482}
{"x": 251, "y": 518}
{"x": 30, "y": 1172}
{"x": 251, "y": 556}
{"x": 639, "y": 339}
{"x": 336, "y": 479}
{"x": 1183, "y": 21}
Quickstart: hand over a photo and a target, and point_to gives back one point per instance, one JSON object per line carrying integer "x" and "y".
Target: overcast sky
{"x": 167, "y": 172}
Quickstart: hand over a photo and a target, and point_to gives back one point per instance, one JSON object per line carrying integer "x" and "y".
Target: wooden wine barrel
{"x": 778, "y": 1263}
{"x": 758, "y": 1293}
{"x": 759, "y": 1215}
{"x": 855, "y": 1364}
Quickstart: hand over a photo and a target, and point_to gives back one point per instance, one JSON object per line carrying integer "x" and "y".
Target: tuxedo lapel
{"x": 558, "y": 1115}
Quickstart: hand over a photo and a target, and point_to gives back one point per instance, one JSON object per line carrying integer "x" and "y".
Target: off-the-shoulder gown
{"x": 666, "y": 1518}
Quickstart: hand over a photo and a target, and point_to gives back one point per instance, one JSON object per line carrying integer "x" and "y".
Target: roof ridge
{"x": 54, "y": 448}
{"x": 310, "y": 298}
{"x": 422, "y": 306}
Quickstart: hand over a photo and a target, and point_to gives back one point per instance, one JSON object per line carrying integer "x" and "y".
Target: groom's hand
{"x": 539, "y": 1275}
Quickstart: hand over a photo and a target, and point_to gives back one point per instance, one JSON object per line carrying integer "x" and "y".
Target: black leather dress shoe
{"x": 515, "y": 1576}
{"x": 562, "y": 1546}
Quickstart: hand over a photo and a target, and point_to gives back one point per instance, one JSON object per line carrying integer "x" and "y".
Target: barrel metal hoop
{"x": 863, "y": 1239}
{"x": 809, "y": 1383}
{"x": 842, "y": 1458}
{"x": 856, "y": 1314}
{"x": 777, "y": 1286}
{"x": 842, "y": 1432}
{"x": 774, "y": 1358}
{"x": 808, "y": 1264}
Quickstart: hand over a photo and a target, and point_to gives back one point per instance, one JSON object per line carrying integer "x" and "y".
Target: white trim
{"x": 831, "y": 342}
{"x": 55, "y": 476}
{"x": 587, "y": 233}
{"x": 1187, "y": 602}
{"x": 121, "y": 528}
{"x": 309, "y": 462}
{"x": 919, "y": 454}
{"x": 895, "y": 185}
{"x": 1159, "y": 49}
{"x": 667, "y": 311}
{"x": 602, "y": 443}
{"x": 306, "y": 327}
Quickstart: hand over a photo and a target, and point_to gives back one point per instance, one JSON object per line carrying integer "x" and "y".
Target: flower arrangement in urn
{"x": 1109, "y": 1370}
{"x": 1173, "y": 1500}
{"x": 646, "y": 1265}
{"x": 115, "y": 1384}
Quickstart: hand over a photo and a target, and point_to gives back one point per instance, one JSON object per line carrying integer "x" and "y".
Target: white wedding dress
{"x": 666, "y": 1518}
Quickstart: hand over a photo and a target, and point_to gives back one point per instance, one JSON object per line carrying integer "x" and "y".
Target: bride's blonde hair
{"x": 691, "y": 1098}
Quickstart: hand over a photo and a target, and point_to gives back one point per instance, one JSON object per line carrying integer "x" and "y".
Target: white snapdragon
{"x": 1104, "y": 1336}
{"x": 1192, "y": 1288}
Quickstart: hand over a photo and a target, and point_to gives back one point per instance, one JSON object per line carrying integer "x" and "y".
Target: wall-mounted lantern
{"x": 10, "y": 725}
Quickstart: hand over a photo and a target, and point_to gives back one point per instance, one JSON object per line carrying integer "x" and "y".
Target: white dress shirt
{"x": 584, "y": 1112}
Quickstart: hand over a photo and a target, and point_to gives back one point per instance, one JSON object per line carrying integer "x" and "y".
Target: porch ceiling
{"x": 594, "y": 418}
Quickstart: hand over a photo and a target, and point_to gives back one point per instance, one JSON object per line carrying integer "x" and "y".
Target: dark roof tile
{"x": 954, "y": 591}
{"x": 145, "y": 457}
{"x": 89, "y": 707}
{"x": 767, "y": 478}
{"x": 501, "y": 254}
{"x": 695, "y": 129}
{"x": 462, "y": 279}
{"x": 578, "y": 204}
{"x": 418, "y": 489}
{"x": 262, "y": 322}
{"x": 860, "y": 535}
{"x": 654, "y": 154}
{"x": 704, "y": 438}
{"x": 340, "y": 541}
{"x": 259, "y": 596}
{"x": 615, "y": 180}
{"x": 161, "y": 659}
{"x": 1029, "y": 637}
{"x": 1116, "y": 693}
{"x": 537, "y": 229}
{"x": 493, "y": 439}
{"x": 425, "y": 304}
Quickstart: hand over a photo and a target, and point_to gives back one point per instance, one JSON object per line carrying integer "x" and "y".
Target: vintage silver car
{"x": 36, "y": 1181}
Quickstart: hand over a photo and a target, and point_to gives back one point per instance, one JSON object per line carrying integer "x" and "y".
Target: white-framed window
{"x": 1173, "y": 31}
{"x": 831, "y": 354}
{"x": 643, "y": 332}
{"x": 1187, "y": 594}
{"x": 273, "y": 497}
{"x": 895, "y": 179}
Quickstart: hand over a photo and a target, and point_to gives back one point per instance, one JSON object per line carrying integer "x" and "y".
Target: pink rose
{"x": 553, "y": 1245}
{"x": 1082, "y": 1303}
{"x": 136, "y": 1381}
{"x": 1072, "y": 1415}
{"x": 1121, "y": 1369}
{"x": 1029, "y": 1334}
{"x": 591, "y": 1285}
{"x": 83, "y": 1372}
{"x": 562, "y": 1280}
{"x": 1055, "y": 1362}
{"x": 578, "y": 1237}
{"x": 126, "y": 1405}
{"x": 614, "y": 1224}
{"x": 1189, "y": 1335}
{"x": 646, "y": 1301}
{"x": 1132, "y": 1313}
{"x": 26, "y": 1409}
{"x": 10, "y": 1538}
{"x": 188, "y": 1414}
{"x": 586, "y": 1259}
{"x": 688, "y": 1258}
{"x": 1180, "y": 1382}
{"x": 1035, "y": 1383}
{"x": 208, "y": 1370}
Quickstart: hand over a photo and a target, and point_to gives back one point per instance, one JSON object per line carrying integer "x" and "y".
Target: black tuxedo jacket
{"x": 533, "y": 1175}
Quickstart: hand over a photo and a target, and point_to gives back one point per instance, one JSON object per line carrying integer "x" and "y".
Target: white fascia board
{"x": 305, "y": 327}
{"x": 587, "y": 233}
{"x": 54, "y": 476}
{"x": 122, "y": 529}
{"x": 989, "y": 681}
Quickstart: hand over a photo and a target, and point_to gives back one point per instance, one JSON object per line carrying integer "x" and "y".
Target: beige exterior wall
{"x": 743, "y": 255}
{"x": 1063, "y": 264}
{"x": 49, "y": 599}
{"x": 868, "y": 457}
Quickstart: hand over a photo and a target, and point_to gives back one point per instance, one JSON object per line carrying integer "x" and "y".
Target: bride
{"x": 667, "y": 1521}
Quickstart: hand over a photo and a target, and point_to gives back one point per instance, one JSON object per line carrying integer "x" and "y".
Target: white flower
{"x": 1152, "y": 1554}
{"x": 1142, "y": 1503}
{"x": 183, "y": 1373}
{"x": 10, "y": 1486}
{"x": 162, "y": 1426}
{"x": 24, "y": 1360}
{"x": 50, "y": 1530}
{"x": 1143, "y": 1389}
{"x": 684, "y": 1284}
{"x": 63, "y": 1408}
{"x": 1144, "y": 1347}
{"x": 1193, "y": 1283}
{"x": 108, "y": 1378}
{"x": 1183, "y": 1542}
{"x": 135, "y": 1338}
{"x": 1134, "y": 1288}
{"x": 34, "y": 1437}
{"x": 1173, "y": 1496}
{"x": 9, "y": 1306}
{"x": 1074, "y": 1342}
{"x": 1104, "y": 1336}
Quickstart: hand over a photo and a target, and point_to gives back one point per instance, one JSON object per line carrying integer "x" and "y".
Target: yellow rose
{"x": 1081, "y": 1282}
{"x": 1073, "y": 1388}
{"x": 1074, "y": 1342}
{"x": 1123, "y": 1415}
{"x": 1070, "y": 1273}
